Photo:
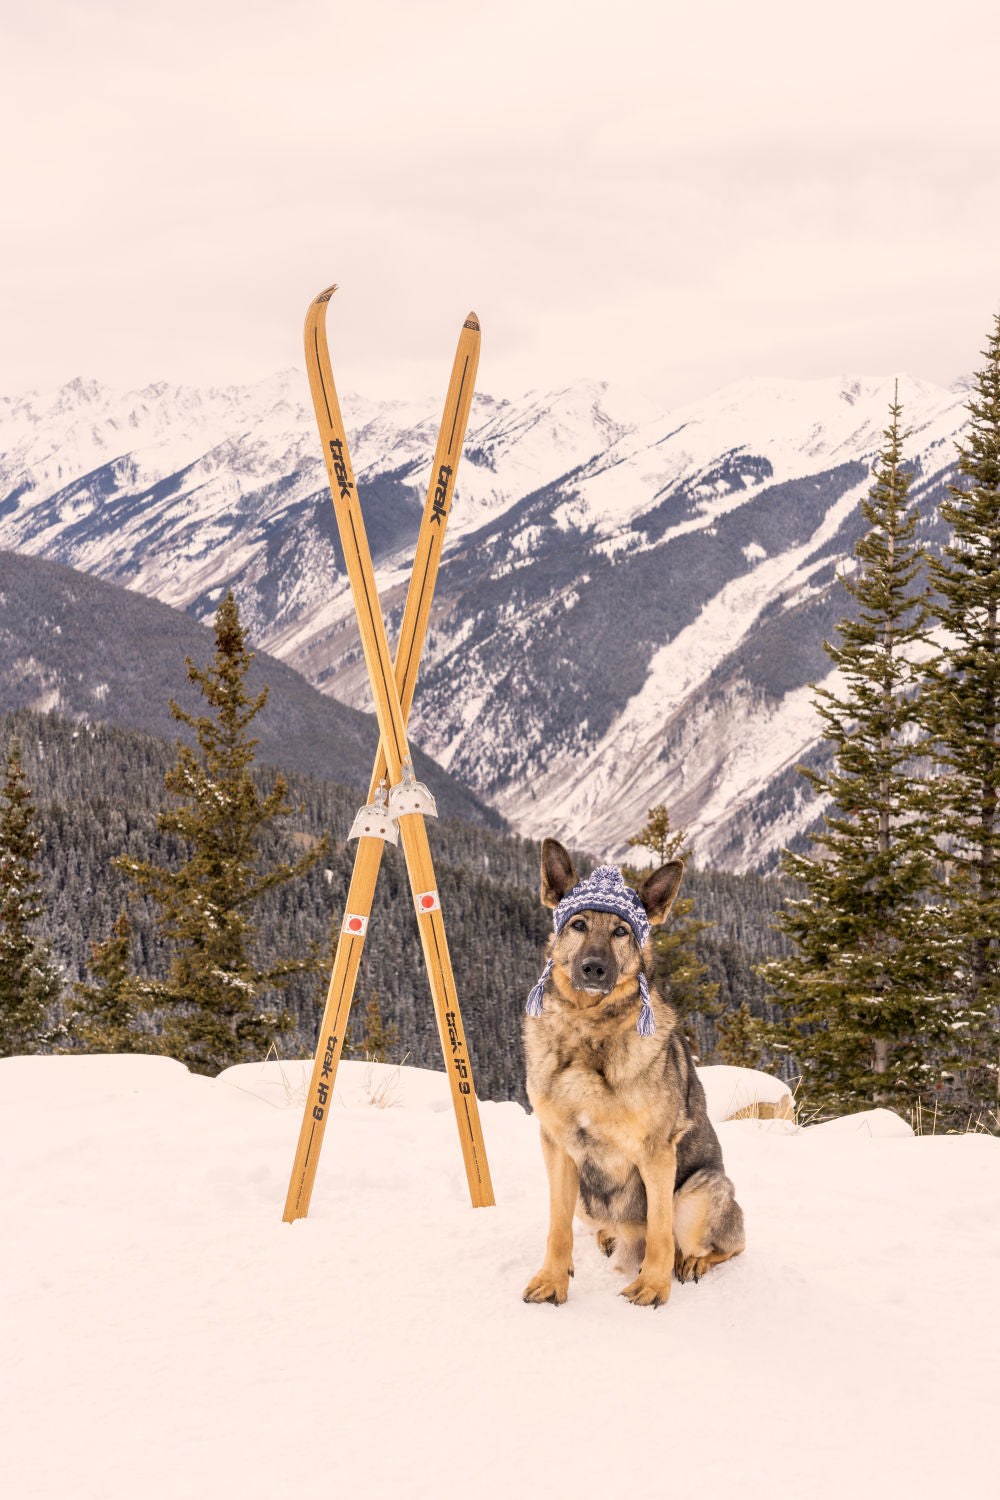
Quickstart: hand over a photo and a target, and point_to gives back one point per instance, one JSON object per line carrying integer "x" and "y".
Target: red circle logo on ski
{"x": 428, "y": 901}
{"x": 355, "y": 925}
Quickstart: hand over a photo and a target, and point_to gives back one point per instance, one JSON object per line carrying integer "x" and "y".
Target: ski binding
{"x": 410, "y": 795}
{"x": 376, "y": 821}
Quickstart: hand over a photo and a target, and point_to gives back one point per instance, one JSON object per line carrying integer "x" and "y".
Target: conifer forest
{"x": 98, "y": 794}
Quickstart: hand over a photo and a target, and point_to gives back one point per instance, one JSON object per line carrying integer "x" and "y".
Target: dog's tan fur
{"x": 624, "y": 1128}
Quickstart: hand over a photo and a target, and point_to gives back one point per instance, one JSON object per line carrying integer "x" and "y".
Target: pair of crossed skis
{"x": 395, "y": 799}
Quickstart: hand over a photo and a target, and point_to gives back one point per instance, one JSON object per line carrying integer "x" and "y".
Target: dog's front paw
{"x": 647, "y": 1291}
{"x": 548, "y": 1286}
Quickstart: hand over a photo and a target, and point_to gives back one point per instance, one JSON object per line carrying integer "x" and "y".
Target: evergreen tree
{"x": 677, "y": 970}
{"x": 214, "y": 1008}
{"x": 107, "y": 1015}
{"x": 740, "y": 1039}
{"x": 29, "y": 982}
{"x": 379, "y": 1037}
{"x": 865, "y": 1014}
{"x": 962, "y": 706}
{"x": 663, "y": 842}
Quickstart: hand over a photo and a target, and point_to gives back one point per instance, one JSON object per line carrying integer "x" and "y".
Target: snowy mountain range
{"x": 632, "y": 600}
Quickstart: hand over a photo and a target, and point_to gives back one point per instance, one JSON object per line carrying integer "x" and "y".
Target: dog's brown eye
{"x": 578, "y": 925}
{"x": 620, "y": 930}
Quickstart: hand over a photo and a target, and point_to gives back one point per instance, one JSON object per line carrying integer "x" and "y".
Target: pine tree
{"x": 214, "y": 1005}
{"x": 107, "y": 1016}
{"x": 676, "y": 970}
{"x": 962, "y": 707}
{"x": 379, "y": 1037}
{"x": 663, "y": 842}
{"x": 29, "y": 982}
{"x": 740, "y": 1038}
{"x": 865, "y": 1013}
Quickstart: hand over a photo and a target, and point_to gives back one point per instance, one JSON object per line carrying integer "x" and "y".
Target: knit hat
{"x": 604, "y": 890}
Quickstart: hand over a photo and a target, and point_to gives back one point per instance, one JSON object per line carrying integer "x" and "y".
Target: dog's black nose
{"x": 593, "y": 969}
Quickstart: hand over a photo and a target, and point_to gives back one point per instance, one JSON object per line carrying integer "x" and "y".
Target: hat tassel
{"x": 534, "y": 1005}
{"x": 646, "y": 1024}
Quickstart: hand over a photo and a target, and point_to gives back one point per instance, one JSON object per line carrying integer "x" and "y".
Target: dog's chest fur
{"x": 598, "y": 1092}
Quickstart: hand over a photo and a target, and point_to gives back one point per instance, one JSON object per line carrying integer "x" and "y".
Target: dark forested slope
{"x": 100, "y": 653}
{"x": 98, "y": 789}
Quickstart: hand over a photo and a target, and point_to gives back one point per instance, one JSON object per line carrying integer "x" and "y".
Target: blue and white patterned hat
{"x": 604, "y": 890}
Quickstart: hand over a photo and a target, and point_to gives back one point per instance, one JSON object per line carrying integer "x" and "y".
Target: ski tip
{"x": 472, "y": 322}
{"x": 325, "y": 296}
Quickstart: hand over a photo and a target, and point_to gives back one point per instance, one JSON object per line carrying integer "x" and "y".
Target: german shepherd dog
{"x": 625, "y": 1130}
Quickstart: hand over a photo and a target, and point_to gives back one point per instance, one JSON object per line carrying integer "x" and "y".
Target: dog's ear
{"x": 658, "y": 890}
{"x": 558, "y": 874}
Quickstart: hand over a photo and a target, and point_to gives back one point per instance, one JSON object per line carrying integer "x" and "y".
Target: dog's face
{"x": 596, "y": 949}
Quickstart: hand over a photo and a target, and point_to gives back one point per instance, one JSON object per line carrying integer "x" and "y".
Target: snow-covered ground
{"x": 166, "y": 1335}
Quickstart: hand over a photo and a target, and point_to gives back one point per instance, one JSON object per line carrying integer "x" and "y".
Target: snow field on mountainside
{"x": 166, "y": 1335}
{"x": 265, "y": 432}
{"x": 582, "y": 791}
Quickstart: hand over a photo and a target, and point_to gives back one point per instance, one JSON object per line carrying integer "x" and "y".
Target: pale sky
{"x": 669, "y": 195}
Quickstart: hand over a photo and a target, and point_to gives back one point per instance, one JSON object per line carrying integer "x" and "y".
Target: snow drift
{"x": 166, "y": 1335}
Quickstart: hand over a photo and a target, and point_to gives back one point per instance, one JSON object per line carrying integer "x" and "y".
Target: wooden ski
{"x": 393, "y": 697}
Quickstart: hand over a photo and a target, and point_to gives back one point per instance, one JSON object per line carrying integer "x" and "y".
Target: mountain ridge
{"x": 98, "y": 653}
{"x": 623, "y": 598}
